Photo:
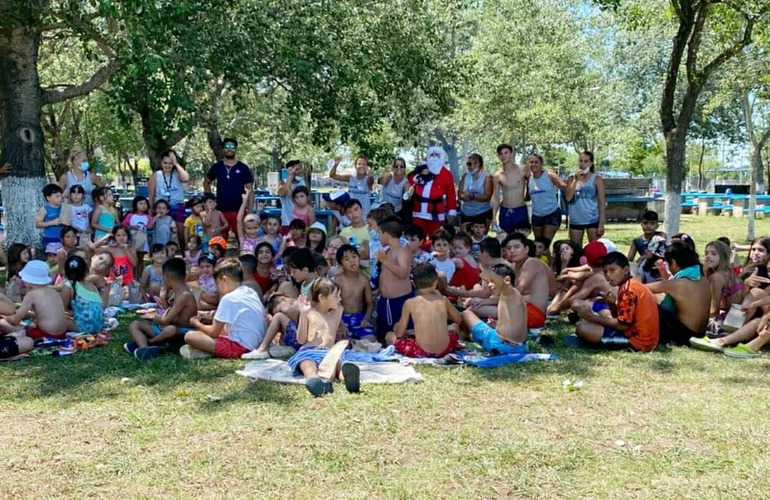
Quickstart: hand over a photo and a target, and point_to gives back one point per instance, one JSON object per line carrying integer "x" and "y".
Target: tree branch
{"x": 96, "y": 80}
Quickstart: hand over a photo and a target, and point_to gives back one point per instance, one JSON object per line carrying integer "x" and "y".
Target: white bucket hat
{"x": 35, "y": 272}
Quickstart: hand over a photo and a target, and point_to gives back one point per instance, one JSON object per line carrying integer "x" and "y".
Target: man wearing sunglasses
{"x": 233, "y": 178}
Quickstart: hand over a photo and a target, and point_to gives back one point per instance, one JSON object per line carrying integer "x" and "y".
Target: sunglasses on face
{"x": 229, "y": 146}
{"x": 399, "y": 166}
{"x": 469, "y": 164}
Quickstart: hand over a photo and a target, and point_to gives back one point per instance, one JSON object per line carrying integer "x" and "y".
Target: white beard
{"x": 434, "y": 165}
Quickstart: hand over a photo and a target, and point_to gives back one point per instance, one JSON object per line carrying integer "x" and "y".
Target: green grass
{"x": 673, "y": 423}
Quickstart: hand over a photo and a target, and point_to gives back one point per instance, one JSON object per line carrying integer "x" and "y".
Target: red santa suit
{"x": 434, "y": 195}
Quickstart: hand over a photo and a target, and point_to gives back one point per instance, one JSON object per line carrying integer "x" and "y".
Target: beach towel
{"x": 277, "y": 370}
{"x": 478, "y": 360}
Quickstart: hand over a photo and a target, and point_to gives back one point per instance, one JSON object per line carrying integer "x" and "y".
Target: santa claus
{"x": 433, "y": 194}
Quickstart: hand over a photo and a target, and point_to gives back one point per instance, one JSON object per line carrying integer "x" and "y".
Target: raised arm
{"x": 151, "y": 190}
{"x": 338, "y": 177}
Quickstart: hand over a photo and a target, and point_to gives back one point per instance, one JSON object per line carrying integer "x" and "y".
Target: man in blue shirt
{"x": 233, "y": 178}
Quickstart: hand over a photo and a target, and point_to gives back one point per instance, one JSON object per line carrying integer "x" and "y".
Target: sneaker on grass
{"x": 741, "y": 351}
{"x": 188, "y": 352}
{"x": 148, "y": 353}
{"x": 706, "y": 344}
{"x": 255, "y": 354}
{"x": 130, "y": 347}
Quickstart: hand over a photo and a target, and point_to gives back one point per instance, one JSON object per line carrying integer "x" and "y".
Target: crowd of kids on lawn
{"x": 431, "y": 264}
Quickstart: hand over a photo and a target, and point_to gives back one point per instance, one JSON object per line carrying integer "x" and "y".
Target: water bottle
{"x": 354, "y": 242}
{"x": 116, "y": 293}
{"x": 284, "y": 174}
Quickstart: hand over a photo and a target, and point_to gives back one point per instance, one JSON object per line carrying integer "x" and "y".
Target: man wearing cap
{"x": 233, "y": 178}
{"x": 294, "y": 179}
{"x": 433, "y": 193}
{"x": 336, "y": 201}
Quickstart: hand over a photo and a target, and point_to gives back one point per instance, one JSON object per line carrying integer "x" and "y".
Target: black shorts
{"x": 482, "y": 218}
{"x": 552, "y": 219}
{"x": 672, "y": 330}
{"x": 9, "y": 347}
{"x": 582, "y": 227}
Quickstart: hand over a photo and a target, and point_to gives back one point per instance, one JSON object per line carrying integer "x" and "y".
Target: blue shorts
{"x": 182, "y": 329}
{"x": 355, "y": 332}
{"x": 389, "y": 313}
{"x": 491, "y": 342}
{"x": 289, "y": 336}
{"x": 314, "y": 354}
{"x": 512, "y": 219}
{"x": 552, "y": 219}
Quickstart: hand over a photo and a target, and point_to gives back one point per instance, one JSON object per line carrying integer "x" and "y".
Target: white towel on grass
{"x": 277, "y": 370}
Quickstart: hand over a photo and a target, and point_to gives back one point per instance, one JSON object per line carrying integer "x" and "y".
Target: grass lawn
{"x": 674, "y": 423}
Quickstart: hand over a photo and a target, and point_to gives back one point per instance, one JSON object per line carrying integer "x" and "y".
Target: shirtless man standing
{"x": 510, "y": 334}
{"x": 512, "y": 178}
{"x": 682, "y": 312}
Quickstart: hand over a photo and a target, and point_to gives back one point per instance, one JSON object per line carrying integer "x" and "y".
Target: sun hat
{"x": 339, "y": 196}
{"x": 318, "y": 226}
{"x": 218, "y": 240}
{"x": 609, "y": 245}
{"x": 35, "y": 272}
{"x": 594, "y": 252}
{"x": 53, "y": 247}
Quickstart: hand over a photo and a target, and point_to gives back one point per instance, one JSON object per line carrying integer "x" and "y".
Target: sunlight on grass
{"x": 674, "y": 423}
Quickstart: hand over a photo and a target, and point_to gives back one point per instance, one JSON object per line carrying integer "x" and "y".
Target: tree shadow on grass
{"x": 259, "y": 391}
{"x": 107, "y": 372}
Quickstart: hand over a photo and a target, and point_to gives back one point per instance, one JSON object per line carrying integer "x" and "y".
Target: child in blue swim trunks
{"x": 357, "y": 301}
{"x": 153, "y": 339}
{"x": 318, "y": 330}
{"x": 510, "y": 334}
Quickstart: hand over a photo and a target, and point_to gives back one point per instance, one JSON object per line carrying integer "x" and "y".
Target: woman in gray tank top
{"x": 543, "y": 185}
{"x": 475, "y": 192}
{"x": 359, "y": 185}
{"x": 393, "y": 185}
{"x": 585, "y": 196}
{"x": 79, "y": 175}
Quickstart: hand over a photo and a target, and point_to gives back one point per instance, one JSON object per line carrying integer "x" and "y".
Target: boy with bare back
{"x": 510, "y": 334}
{"x": 151, "y": 340}
{"x": 318, "y": 331}
{"x": 431, "y": 337}
{"x": 532, "y": 279}
{"x": 512, "y": 178}
{"x": 395, "y": 285}
{"x": 46, "y": 305}
{"x": 357, "y": 302}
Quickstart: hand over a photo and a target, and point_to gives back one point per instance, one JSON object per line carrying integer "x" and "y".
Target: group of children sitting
{"x": 295, "y": 291}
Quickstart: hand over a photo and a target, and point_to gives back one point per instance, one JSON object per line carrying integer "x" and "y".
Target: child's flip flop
{"x": 352, "y": 375}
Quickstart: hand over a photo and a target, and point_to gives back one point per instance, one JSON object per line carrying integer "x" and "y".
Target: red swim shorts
{"x": 408, "y": 346}
{"x": 226, "y": 348}
{"x": 535, "y": 317}
{"x": 35, "y": 333}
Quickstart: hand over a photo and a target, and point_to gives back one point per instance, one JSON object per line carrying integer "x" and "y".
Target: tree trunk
{"x": 675, "y": 155}
{"x": 756, "y": 165}
{"x": 22, "y": 135}
{"x": 700, "y": 164}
